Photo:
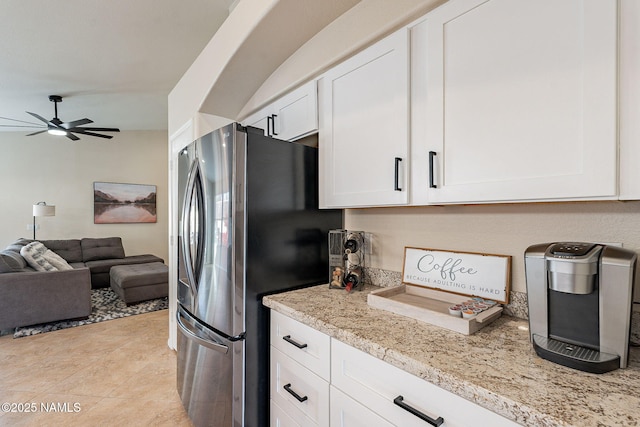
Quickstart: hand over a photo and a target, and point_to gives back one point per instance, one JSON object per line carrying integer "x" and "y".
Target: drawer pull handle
{"x": 269, "y": 120}
{"x": 288, "y": 339}
{"x": 294, "y": 394}
{"x": 396, "y": 181}
{"x": 432, "y": 184}
{"x": 399, "y": 401}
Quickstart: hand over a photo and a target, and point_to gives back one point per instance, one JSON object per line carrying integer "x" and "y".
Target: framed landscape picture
{"x": 115, "y": 203}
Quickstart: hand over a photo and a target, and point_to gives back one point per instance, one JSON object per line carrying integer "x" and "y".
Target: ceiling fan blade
{"x": 39, "y": 117}
{"x": 70, "y": 125}
{"x": 72, "y": 137}
{"x": 20, "y": 121}
{"x": 84, "y": 132}
{"x": 23, "y": 126}
{"x": 101, "y": 129}
{"x": 35, "y": 133}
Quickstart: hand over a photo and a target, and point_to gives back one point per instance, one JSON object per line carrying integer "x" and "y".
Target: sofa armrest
{"x": 28, "y": 298}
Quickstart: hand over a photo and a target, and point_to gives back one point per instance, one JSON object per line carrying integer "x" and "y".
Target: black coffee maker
{"x": 580, "y": 298}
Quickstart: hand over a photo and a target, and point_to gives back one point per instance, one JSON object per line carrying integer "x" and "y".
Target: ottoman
{"x": 140, "y": 282}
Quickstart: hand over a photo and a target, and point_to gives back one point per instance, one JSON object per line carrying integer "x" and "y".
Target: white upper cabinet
{"x": 629, "y": 99}
{"x": 291, "y": 117}
{"x": 512, "y": 100}
{"x": 363, "y": 127}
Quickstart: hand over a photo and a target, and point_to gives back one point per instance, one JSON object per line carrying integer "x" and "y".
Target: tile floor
{"x": 114, "y": 373}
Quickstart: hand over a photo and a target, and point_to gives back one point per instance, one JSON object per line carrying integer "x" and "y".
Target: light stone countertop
{"x": 496, "y": 367}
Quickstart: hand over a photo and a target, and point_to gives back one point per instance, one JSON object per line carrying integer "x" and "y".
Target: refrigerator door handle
{"x": 193, "y": 203}
{"x": 204, "y": 342}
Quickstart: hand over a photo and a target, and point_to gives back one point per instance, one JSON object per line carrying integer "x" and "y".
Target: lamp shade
{"x": 42, "y": 209}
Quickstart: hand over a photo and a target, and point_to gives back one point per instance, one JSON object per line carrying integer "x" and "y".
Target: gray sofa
{"x": 29, "y": 297}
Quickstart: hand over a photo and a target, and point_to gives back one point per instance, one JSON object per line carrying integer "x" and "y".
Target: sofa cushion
{"x": 41, "y": 258}
{"x": 18, "y": 244}
{"x": 10, "y": 261}
{"x": 101, "y": 248}
{"x": 104, "y": 265}
{"x": 69, "y": 249}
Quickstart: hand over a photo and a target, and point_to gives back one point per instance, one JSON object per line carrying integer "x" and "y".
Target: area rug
{"x": 105, "y": 305}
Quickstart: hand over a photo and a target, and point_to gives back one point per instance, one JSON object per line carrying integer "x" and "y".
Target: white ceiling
{"x": 113, "y": 61}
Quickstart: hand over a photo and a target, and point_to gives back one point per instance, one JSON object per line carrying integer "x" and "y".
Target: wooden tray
{"x": 430, "y": 306}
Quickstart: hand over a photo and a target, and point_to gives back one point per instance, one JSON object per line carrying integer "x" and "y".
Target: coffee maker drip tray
{"x": 575, "y": 356}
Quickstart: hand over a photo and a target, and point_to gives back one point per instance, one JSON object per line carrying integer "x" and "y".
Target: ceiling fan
{"x": 56, "y": 126}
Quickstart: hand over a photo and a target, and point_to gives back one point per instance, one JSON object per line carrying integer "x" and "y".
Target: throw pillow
{"x": 33, "y": 254}
{"x": 56, "y": 260}
{"x": 42, "y": 259}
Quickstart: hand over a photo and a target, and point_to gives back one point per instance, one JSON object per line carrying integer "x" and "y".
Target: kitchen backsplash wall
{"x": 501, "y": 229}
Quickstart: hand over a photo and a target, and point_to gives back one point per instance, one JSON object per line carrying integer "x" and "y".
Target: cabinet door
{"x": 307, "y": 346}
{"x": 260, "y": 120}
{"x": 517, "y": 101}
{"x": 629, "y": 100}
{"x": 279, "y": 418}
{"x": 303, "y": 395}
{"x": 346, "y": 412}
{"x": 363, "y": 135}
{"x": 399, "y": 397}
{"x": 296, "y": 114}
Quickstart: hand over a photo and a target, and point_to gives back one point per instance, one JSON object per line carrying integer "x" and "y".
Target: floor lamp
{"x": 42, "y": 209}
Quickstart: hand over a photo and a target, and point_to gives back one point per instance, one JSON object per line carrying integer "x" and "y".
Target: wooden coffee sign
{"x": 465, "y": 273}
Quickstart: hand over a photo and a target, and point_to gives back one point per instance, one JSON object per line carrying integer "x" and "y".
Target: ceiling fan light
{"x": 59, "y": 132}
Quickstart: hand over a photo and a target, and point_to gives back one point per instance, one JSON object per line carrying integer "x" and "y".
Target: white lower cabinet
{"x": 303, "y": 395}
{"x": 346, "y": 412}
{"x": 319, "y": 381}
{"x": 401, "y": 398}
{"x": 305, "y": 345}
{"x": 300, "y": 357}
{"x": 279, "y": 418}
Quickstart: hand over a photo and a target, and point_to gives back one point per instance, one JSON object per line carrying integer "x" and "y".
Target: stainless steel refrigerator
{"x": 249, "y": 226}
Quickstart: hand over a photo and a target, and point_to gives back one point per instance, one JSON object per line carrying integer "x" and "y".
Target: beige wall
{"x": 62, "y": 172}
{"x": 506, "y": 229}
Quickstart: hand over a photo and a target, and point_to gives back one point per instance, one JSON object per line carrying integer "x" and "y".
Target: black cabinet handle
{"x": 399, "y": 401}
{"x": 269, "y": 120}
{"x": 273, "y": 124}
{"x": 294, "y": 394}
{"x": 432, "y": 154}
{"x": 288, "y": 339}
{"x": 396, "y": 185}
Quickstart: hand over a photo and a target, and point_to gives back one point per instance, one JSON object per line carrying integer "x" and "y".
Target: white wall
{"x": 62, "y": 172}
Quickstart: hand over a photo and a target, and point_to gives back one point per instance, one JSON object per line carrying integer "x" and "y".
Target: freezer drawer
{"x": 205, "y": 375}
